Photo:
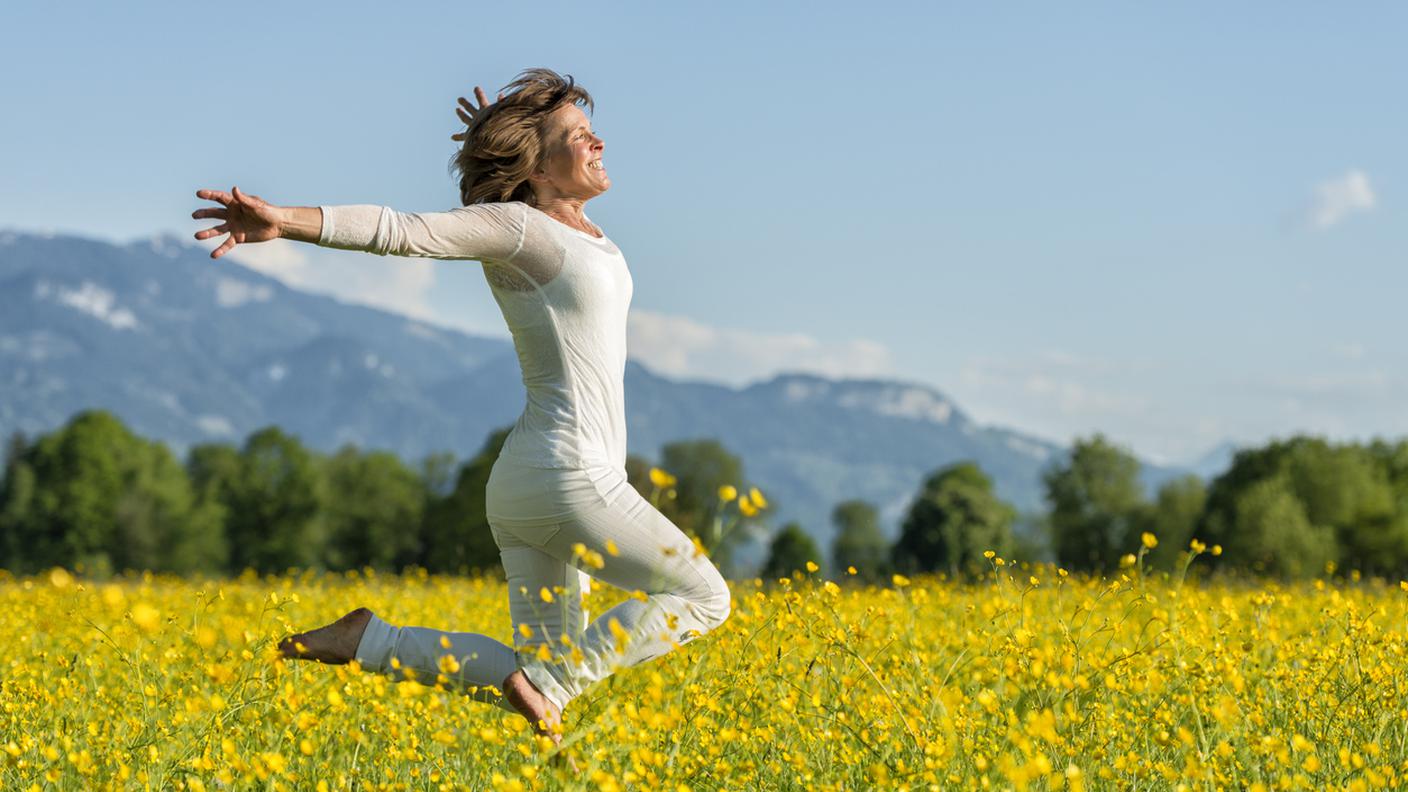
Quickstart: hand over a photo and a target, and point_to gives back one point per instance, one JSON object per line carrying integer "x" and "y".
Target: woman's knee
{"x": 717, "y": 603}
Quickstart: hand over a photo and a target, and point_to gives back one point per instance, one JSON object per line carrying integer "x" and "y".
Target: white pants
{"x": 537, "y": 515}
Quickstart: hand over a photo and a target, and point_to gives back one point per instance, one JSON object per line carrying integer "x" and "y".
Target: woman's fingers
{"x": 225, "y": 248}
{"x": 215, "y": 195}
{"x": 465, "y": 117}
{"x": 219, "y": 213}
{"x": 479, "y": 94}
{"x": 210, "y": 232}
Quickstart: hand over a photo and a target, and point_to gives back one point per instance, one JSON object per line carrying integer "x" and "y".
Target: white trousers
{"x": 537, "y": 516}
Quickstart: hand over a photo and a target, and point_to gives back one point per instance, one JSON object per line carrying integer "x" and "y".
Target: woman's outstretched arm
{"x": 479, "y": 231}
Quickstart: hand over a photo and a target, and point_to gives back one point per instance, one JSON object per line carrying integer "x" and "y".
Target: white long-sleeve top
{"x": 564, "y": 294}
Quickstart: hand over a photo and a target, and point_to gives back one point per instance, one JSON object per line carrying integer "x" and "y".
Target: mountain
{"x": 188, "y": 350}
{"x": 1215, "y": 462}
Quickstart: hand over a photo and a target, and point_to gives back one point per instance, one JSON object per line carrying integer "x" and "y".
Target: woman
{"x": 557, "y": 500}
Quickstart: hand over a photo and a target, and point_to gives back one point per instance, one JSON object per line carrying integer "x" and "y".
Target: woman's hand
{"x": 467, "y": 111}
{"x": 247, "y": 218}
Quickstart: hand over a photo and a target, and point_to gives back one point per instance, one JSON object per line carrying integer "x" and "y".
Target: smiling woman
{"x": 541, "y": 127}
{"x": 557, "y": 501}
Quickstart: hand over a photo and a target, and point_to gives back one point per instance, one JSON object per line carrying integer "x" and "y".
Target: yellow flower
{"x": 727, "y": 493}
{"x": 1217, "y": 549}
{"x": 831, "y": 588}
{"x": 545, "y": 594}
{"x": 758, "y": 499}
{"x": 1127, "y": 560}
{"x": 1196, "y": 546}
{"x": 900, "y": 580}
{"x": 611, "y": 548}
{"x": 1150, "y": 541}
{"x": 850, "y": 570}
{"x": 660, "y": 478}
{"x": 746, "y": 506}
{"x": 146, "y": 617}
{"x": 989, "y": 553}
{"x": 812, "y": 567}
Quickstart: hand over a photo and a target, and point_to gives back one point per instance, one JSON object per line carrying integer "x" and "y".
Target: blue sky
{"x": 1177, "y": 226}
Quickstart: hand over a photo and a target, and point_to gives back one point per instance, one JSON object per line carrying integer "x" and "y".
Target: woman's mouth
{"x": 596, "y": 164}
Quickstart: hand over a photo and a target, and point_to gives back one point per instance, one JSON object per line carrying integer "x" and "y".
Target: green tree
{"x": 79, "y": 473}
{"x": 16, "y": 503}
{"x": 1275, "y": 535}
{"x": 1173, "y": 518}
{"x": 952, "y": 521}
{"x": 455, "y": 532}
{"x": 1345, "y": 488}
{"x": 373, "y": 510}
{"x": 1346, "y": 492}
{"x": 275, "y": 505}
{"x": 93, "y": 496}
{"x": 158, "y": 505}
{"x": 790, "y": 551}
{"x": 214, "y": 470}
{"x": 700, "y": 467}
{"x": 1096, "y": 505}
{"x": 858, "y": 541}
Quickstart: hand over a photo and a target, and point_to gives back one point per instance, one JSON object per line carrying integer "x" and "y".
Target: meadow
{"x": 1027, "y": 679}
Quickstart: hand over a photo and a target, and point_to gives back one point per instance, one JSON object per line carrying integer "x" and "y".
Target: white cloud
{"x": 393, "y": 283}
{"x": 1337, "y": 198}
{"x": 680, "y": 347}
{"x": 1059, "y": 395}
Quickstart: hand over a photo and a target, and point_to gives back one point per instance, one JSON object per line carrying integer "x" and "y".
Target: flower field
{"x": 1030, "y": 679}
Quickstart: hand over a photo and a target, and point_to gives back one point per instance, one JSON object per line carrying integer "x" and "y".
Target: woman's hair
{"x": 504, "y": 143}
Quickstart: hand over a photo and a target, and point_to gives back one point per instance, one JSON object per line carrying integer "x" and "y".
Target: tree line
{"x": 1295, "y": 507}
{"x": 95, "y": 497}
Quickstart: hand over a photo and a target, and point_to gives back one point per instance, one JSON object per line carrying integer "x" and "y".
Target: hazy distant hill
{"x": 188, "y": 350}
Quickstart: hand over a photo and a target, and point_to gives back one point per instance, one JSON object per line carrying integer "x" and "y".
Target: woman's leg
{"x": 475, "y": 662}
{"x": 681, "y": 594}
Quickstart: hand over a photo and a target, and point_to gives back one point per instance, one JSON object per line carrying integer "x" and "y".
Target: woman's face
{"x": 573, "y": 167}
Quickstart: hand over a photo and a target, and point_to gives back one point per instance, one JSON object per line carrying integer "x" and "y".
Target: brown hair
{"x": 504, "y": 144}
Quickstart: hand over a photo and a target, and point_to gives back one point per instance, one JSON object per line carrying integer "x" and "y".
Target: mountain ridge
{"x": 187, "y": 351}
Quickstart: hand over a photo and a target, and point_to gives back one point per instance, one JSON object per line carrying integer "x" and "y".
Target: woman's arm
{"x": 480, "y": 231}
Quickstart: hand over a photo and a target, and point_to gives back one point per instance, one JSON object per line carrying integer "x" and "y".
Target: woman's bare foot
{"x": 334, "y": 643}
{"x": 533, "y": 705}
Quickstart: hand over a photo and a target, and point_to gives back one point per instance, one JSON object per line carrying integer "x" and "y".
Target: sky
{"x": 1176, "y": 226}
